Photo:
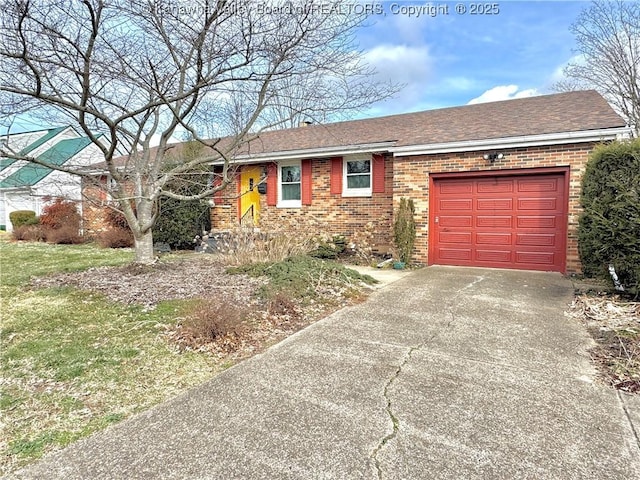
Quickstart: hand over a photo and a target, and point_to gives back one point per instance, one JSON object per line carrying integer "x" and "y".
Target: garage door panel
{"x": 538, "y": 185}
{"x": 455, "y": 254}
{"x": 455, "y": 237}
{"x": 492, "y": 256}
{"x": 536, "y": 239}
{"x": 455, "y": 221}
{"x": 493, "y": 238}
{"x": 494, "y": 187}
{"x": 513, "y": 221}
{"x": 543, "y": 221}
{"x": 484, "y": 221}
{"x": 535, "y": 258}
{"x": 457, "y": 188}
{"x": 539, "y": 204}
{"x": 493, "y": 204}
{"x": 447, "y": 205}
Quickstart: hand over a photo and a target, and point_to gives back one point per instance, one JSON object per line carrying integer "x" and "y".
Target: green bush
{"x": 609, "y": 227}
{"x": 23, "y": 217}
{"x": 180, "y": 221}
{"x": 404, "y": 229}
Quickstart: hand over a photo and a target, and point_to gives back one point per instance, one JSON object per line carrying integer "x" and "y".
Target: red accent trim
{"x": 239, "y": 191}
{"x": 272, "y": 184}
{"x": 306, "y": 181}
{"x": 336, "y": 176}
{"x": 378, "y": 174}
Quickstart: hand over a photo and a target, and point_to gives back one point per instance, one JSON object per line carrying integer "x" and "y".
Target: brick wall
{"x": 353, "y": 217}
{"x": 407, "y": 177}
{"x": 411, "y": 179}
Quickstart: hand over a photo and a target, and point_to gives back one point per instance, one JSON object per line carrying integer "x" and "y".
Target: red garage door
{"x": 514, "y": 221}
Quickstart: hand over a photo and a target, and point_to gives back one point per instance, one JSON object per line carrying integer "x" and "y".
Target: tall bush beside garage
{"x": 404, "y": 229}
{"x": 609, "y": 227}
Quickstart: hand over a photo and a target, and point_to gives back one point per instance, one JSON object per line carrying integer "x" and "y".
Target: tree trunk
{"x": 143, "y": 245}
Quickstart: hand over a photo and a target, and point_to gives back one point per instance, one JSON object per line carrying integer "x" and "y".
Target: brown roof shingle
{"x": 557, "y": 113}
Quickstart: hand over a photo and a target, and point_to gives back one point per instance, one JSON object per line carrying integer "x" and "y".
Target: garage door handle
{"x": 437, "y": 219}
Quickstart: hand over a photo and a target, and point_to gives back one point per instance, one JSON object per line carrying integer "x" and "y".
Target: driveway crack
{"x": 389, "y": 409}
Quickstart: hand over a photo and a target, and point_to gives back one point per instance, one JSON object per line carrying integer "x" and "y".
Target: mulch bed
{"x": 614, "y": 324}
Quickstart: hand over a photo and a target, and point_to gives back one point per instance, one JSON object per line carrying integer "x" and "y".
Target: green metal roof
{"x": 52, "y": 132}
{"x": 57, "y": 155}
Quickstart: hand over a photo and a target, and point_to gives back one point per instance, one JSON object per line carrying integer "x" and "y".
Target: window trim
{"x": 357, "y": 192}
{"x": 288, "y": 203}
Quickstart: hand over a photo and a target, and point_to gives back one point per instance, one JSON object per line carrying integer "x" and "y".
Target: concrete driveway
{"x": 446, "y": 373}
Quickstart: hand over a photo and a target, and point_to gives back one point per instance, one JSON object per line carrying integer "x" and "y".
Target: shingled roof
{"x": 547, "y": 114}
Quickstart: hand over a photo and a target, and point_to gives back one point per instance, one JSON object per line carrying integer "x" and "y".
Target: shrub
{"x": 302, "y": 277}
{"x": 609, "y": 227}
{"x": 404, "y": 229}
{"x": 180, "y": 221}
{"x": 23, "y": 217}
{"x": 330, "y": 249}
{"x": 60, "y": 213}
{"x": 115, "y": 238}
{"x": 210, "y": 320}
{"x": 115, "y": 219}
{"x": 28, "y": 233}
{"x": 246, "y": 246}
{"x": 65, "y": 235}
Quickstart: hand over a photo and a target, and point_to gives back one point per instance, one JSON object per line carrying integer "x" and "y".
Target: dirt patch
{"x": 614, "y": 324}
{"x": 199, "y": 276}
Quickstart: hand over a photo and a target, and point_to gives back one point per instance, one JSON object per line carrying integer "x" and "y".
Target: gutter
{"x": 311, "y": 153}
{"x": 582, "y": 136}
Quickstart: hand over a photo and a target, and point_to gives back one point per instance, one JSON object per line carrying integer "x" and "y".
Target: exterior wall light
{"x": 493, "y": 156}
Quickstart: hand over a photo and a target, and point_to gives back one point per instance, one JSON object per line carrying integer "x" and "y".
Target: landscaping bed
{"x": 614, "y": 324}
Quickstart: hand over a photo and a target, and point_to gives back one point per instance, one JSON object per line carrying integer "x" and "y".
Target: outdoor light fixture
{"x": 493, "y": 156}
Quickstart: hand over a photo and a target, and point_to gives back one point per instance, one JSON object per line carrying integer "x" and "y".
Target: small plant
{"x": 330, "y": 249}
{"x": 115, "y": 238}
{"x": 404, "y": 230}
{"x": 210, "y": 320}
{"x": 28, "y": 233}
{"x": 23, "y": 217}
{"x": 119, "y": 234}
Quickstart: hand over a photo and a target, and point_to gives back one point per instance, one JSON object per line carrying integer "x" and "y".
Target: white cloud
{"x": 408, "y": 65}
{"x": 503, "y": 92}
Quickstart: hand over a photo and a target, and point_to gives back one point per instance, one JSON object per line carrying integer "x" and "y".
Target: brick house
{"x": 494, "y": 184}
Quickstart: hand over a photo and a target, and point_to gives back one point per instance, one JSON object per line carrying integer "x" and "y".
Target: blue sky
{"x": 453, "y": 59}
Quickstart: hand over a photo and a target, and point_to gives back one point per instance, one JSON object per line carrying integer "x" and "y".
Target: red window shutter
{"x": 306, "y": 182}
{"x": 336, "y": 176}
{"x": 378, "y": 174}
{"x": 272, "y": 184}
{"x": 239, "y": 191}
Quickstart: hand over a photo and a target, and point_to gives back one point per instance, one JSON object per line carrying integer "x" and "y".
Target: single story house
{"x": 28, "y": 186}
{"x": 494, "y": 184}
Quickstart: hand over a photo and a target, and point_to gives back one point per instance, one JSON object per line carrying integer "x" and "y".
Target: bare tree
{"x": 608, "y": 38}
{"x": 127, "y": 71}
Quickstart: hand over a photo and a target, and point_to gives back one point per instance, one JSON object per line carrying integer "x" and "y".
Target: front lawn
{"x": 74, "y": 362}
{"x": 87, "y": 339}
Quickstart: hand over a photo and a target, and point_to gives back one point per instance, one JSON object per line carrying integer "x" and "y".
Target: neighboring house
{"x": 494, "y": 184}
{"x": 28, "y": 186}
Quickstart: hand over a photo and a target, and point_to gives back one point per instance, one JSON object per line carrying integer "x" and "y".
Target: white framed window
{"x": 357, "y": 178}
{"x": 290, "y": 184}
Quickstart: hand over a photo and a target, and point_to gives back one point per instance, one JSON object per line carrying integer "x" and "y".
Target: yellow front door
{"x": 250, "y": 198}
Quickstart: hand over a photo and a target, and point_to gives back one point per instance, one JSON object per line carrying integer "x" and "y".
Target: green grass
{"x": 73, "y": 362}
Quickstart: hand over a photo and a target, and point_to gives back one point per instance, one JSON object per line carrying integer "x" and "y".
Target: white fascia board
{"x": 310, "y": 153}
{"x": 583, "y": 136}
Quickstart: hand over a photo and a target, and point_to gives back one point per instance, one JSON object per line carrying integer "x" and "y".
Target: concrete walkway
{"x": 446, "y": 373}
